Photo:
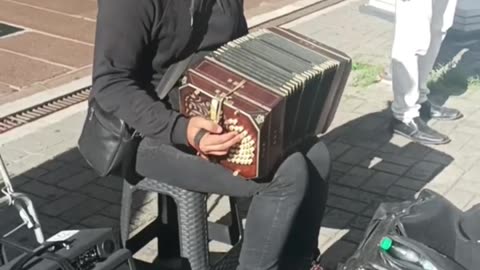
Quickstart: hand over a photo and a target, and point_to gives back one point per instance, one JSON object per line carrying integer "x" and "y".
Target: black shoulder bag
{"x": 108, "y": 144}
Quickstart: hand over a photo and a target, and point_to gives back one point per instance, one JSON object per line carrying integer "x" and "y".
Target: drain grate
{"x": 6, "y": 29}
{"x": 28, "y": 115}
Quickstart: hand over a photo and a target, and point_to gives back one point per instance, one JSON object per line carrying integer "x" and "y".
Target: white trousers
{"x": 420, "y": 28}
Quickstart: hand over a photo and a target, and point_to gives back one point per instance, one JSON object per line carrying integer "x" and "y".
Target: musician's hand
{"x": 212, "y": 142}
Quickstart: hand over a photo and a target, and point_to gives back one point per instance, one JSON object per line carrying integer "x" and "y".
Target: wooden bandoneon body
{"x": 274, "y": 85}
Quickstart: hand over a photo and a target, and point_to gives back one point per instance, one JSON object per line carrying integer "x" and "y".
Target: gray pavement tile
{"x": 409, "y": 183}
{"x": 111, "y": 182}
{"x": 424, "y": 170}
{"x": 356, "y": 194}
{"x": 337, "y": 219}
{"x": 355, "y": 155}
{"x": 112, "y": 211}
{"x": 63, "y": 204}
{"x": 64, "y": 173}
{"x": 346, "y": 204}
{"x": 341, "y": 167}
{"x": 355, "y": 236}
{"x": 339, "y": 252}
{"x": 52, "y": 225}
{"x": 401, "y": 193}
{"x": 337, "y": 148}
{"x": 83, "y": 210}
{"x": 78, "y": 180}
{"x": 390, "y": 168}
{"x": 102, "y": 193}
{"x": 42, "y": 190}
{"x": 360, "y": 223}
{"x": 380, "y": 182}
{"x": 99, "y": 221}
{"x": 460, "y": 198}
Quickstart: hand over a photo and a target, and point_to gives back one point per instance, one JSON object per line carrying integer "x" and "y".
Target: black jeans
{"x": 285, "y": 215}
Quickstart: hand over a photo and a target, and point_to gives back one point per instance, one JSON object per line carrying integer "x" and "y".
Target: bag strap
{"x": 171, "y": 76}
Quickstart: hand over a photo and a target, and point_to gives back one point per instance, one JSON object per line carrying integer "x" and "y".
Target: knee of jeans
{"x": 319, "y": 158}
{"x": 292, "y": 176}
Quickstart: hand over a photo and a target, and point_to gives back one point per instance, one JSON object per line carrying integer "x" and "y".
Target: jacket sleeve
{"x": 122, "y": 34}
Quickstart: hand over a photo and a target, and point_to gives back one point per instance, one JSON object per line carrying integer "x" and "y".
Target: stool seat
{"x": 182, "y": 225}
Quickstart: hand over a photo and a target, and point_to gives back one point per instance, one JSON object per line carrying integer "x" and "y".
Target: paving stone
{"x": 401, "y": 193}
{"x": 341, "y": 167}
{"x": 21, "y": 71}
{"x": 63, "y": 204}
{"x": 410, "y": 183}
{"x": 336, "y": 149}
{"x": 424, "y": 170}
{"x": 99, "y": 221}
{"x": 396, "y": 159}
{"x": 112, "y": 211}
{"x": 50, "y": 22}
{"x": 83, "y": 210}
{"x": 354, "y": 235}
{"x": 355, "y": 194}
{"x": 460, "y": 198}
{"x": 415, "y": 151}
{"x": 61, "y": 174}
{"x": 474, "y": 202}
{"x": 360, "y": 223}
{"x": 45, "y": 191}
{"x": 355, "y": 155}
{"x": 111, "y": 182}
{"x": 102, "y": 193}
{"x": 380, "y": 182}
{"x": 35, "y": 173}
{"x": 79, "y": 180}
{"x": 439, "y": 157}
{"x": 68, "y": 53}
{"x": 390, "y": 168}
{"x": 346, "y": 204}
{"x": 66, "y": 6}
{"x": 19, "y": 180}
{"x": 355, "y": 177}
{"x": 339, "y": 252}
{"x": 338, "y": 219}
{"x": 51, "y": 225}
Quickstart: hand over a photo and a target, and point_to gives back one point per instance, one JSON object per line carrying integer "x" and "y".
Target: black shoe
{"x": 430, "y": 110}
{"x": 418, "y": 131}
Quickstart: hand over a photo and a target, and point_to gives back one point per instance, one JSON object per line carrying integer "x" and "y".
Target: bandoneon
{"x": 276, "y": 86}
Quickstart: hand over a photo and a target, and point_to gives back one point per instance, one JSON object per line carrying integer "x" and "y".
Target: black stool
{"x": 181, "y": 226}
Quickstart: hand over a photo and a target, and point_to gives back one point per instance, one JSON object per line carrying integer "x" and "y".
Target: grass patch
{"x": 453, "y": 81}
{"x": 365, "y": 74}
{"x": 474, "y": 83}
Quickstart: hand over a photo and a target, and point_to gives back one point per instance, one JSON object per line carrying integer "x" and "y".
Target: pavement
{"x": 44, "y": 44}
{"x": 370, "y": 165}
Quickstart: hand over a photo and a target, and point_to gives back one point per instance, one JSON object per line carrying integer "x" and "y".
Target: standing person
{"x": 420, "y": 28}
{"x": 136, "y": 41}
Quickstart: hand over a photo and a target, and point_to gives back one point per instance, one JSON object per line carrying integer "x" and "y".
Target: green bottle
{"x": 400, "y": 252}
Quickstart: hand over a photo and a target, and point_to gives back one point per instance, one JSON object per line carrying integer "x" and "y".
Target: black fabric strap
{"x": 198, "y": 137}
{"x": 171, "y": 76}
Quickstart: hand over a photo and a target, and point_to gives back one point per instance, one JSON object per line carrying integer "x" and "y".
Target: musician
{"x": 420, "y": 28}
{"x": 136, "y": 41}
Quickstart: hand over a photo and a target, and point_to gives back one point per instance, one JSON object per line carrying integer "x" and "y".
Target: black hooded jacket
{"x": 136, "y": 41}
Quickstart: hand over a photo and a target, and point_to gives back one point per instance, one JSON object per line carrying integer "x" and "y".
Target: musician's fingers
{"x": 218, "y": 153}
{"x": 213, "y": 139}
{"x": 225, "y": 145}
{"x": 208, "y": 125}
